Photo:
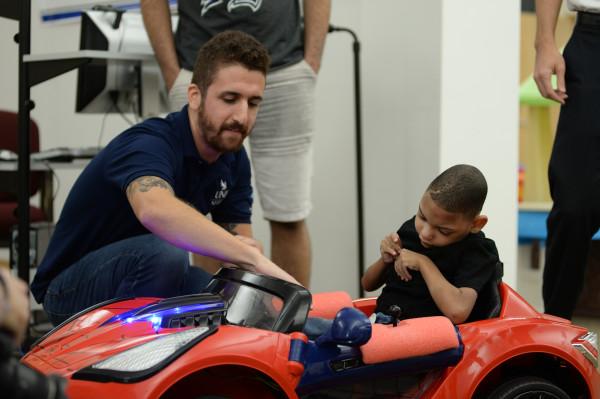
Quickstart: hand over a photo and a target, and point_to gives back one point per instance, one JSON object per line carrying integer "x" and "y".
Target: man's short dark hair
{"x": 459, "y": 189}
{"x": 229, "y": 48}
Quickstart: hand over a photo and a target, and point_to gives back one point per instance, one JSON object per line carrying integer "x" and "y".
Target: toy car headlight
{"x": 144, "y": 360}
{"x": 587, "y": 344}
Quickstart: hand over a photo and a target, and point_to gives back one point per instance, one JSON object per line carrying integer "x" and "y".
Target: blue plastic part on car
{"x": 331, "y": 365}
{"x": 297, "y": 350}
{"x": 350, "y": 327}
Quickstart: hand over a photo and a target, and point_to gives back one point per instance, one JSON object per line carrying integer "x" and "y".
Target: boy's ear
{"x": 478, "y": 223}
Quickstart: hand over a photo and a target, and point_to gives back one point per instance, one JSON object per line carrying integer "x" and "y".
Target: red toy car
{"x": 244, "y": 339}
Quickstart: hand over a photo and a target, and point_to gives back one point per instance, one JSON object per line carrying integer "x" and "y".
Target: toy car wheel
{"x": 528, "y": 387}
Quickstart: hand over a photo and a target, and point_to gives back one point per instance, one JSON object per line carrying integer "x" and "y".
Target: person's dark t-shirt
{"x": 470, "y": 262}
{"x": 274, "y": 23}
{"x": 97, "y": 212}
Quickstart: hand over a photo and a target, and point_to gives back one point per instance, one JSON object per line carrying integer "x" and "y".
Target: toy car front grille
{"x": 195, "y": 320}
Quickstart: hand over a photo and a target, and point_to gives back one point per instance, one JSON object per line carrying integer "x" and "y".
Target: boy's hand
{"x": 390, "y": 247}
{"x": 408, "y": 260}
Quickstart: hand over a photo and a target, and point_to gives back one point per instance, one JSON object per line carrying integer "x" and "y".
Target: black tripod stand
{"x": 358, "y": 144}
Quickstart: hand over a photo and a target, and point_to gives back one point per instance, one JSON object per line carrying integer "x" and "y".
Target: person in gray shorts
{"x": 281, "y": 143}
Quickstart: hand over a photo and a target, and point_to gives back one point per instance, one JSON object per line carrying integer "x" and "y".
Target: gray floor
{"x": 529, "y": 285}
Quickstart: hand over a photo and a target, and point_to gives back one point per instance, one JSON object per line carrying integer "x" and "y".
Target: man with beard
{"x": 281, "y": 146}
{"x": 140, "y": 205}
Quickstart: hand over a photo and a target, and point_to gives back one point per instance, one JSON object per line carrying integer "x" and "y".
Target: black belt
{"x": 588, "y": 18}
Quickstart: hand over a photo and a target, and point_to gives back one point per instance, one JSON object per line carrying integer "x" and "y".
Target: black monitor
{"x": 115, "y": 85}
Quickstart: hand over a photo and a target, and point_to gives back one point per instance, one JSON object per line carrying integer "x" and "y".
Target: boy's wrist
{"x": 424, "y": 263}
{"x": 386, "y": 259}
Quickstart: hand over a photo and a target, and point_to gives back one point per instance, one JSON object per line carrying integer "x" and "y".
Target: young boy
{"x": 439, "y": 260}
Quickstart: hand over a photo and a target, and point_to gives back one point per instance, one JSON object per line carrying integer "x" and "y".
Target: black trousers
{"x": 574, "y": 173}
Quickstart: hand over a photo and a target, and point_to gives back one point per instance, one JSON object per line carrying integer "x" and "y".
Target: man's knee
{"x": 160, "y": 272}
{"x": 168, "y": 260}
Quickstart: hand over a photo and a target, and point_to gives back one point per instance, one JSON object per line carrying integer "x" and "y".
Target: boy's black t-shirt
{"x": 470, "y": 262}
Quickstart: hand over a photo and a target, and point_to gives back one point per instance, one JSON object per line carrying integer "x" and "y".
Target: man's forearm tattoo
{"x": 146, "y": 183}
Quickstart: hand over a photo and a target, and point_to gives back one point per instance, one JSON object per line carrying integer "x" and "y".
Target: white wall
{"x": 422, "y": 65}
{"x": 402, "y": 107}
{"x": 479, "y": 113}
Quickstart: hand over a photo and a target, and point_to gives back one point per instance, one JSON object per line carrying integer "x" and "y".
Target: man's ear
{"x": 194, "y": 96}
{"x": 478, "y": 223}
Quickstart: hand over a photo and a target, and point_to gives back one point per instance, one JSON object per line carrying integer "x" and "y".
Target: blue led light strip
{"x": 156, "y": 317}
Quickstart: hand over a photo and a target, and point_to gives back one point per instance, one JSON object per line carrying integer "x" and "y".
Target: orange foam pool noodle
{"x": 327, "y": 304}
{"x": 411, "y": 337}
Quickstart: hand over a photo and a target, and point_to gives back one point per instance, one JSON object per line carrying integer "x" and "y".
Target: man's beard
{"x": 214, "y": 136}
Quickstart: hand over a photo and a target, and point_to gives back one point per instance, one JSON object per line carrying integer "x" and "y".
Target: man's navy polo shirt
{"x": 97, "y": 213}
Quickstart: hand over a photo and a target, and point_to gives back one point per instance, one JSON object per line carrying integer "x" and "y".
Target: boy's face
{"x": 438, "y": 227}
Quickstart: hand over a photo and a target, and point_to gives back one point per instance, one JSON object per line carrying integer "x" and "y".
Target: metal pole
{"x": 358, "y": 145}
{"x": 25, "y": 106}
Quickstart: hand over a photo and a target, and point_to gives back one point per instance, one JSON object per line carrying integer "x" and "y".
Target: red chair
{"x": 8, "y": 179}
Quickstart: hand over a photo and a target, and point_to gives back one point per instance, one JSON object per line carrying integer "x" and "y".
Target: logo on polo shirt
{"x": 231, "y": 5}
{"x": 221, "y": 194}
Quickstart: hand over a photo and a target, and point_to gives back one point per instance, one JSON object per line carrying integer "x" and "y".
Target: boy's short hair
{"x": 459, "y": 189}
{"x": 228, "y": 48}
